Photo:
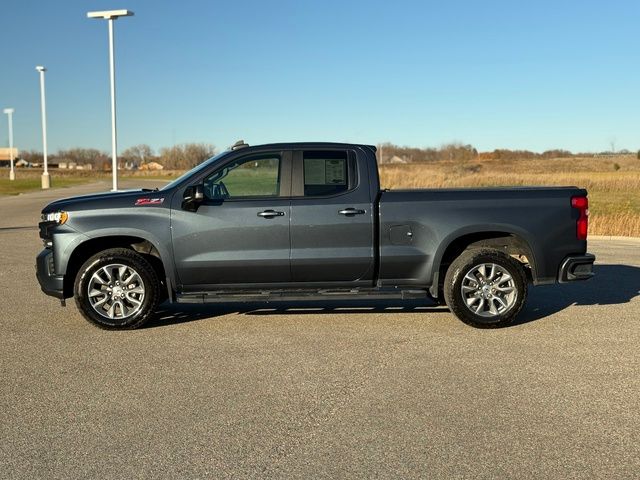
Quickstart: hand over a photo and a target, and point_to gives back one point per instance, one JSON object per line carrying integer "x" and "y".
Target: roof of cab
{"x": 300, "y": 145}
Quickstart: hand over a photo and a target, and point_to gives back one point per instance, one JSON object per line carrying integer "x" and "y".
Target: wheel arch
{"x": 508, "y": 240}
{"x": 83, "y": 251}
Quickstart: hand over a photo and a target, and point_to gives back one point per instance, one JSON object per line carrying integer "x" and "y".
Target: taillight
{"x": 582, "y": 224}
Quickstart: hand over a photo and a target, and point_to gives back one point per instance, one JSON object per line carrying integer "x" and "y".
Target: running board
{"x": 220, "y": 296}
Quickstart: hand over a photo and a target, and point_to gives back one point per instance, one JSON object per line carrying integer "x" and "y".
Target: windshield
{"x": 198, "y": 168}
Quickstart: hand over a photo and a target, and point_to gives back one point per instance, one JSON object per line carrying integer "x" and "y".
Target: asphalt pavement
{"x": 319, "y": 390}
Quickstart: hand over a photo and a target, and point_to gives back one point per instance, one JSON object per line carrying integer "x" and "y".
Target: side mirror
{"x": 193, "y": 197}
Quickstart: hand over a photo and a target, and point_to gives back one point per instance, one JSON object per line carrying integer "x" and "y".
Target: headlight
{"x": 55, "y": 217}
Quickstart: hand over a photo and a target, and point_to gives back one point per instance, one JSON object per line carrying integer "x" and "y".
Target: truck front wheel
{"x": 117, "y": 289}
{"x": 485, "y": 288}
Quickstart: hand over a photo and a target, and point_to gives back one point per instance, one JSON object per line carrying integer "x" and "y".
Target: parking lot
{"x": 319, "y": 390}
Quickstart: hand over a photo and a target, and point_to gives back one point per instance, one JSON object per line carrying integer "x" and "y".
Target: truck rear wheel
{"x": 117, "y": 289}
{"x": 485, "y": 288}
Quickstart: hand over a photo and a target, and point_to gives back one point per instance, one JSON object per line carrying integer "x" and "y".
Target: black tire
{"x": 457, "y": 302}
{"x": 147, "y": 278}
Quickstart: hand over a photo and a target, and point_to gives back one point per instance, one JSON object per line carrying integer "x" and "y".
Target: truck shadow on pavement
{"x": 612, "y": 285}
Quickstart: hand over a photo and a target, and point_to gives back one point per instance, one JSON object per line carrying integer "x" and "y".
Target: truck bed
{"x": 417, "y": 226}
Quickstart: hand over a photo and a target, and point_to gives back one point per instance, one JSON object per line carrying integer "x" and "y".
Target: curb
{"x": 615, "y": 238}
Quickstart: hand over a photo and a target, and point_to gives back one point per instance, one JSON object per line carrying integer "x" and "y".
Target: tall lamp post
{"x": 9, "y": 112}
{"x": 46, "y": 181}
{"x": 112, "y": 15}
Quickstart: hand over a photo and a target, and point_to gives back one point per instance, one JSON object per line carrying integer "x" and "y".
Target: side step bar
{"x": 220, "y": 296}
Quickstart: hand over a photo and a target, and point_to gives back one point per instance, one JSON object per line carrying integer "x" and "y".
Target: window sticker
{"x": 334, "y": 172}
{"x": 314, "y": 171}
{"x": 321, "y": 171}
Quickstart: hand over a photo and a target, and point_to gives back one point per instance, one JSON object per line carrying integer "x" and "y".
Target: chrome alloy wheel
{"x": 116, "y": 291}
{"x": 488, "y": 290}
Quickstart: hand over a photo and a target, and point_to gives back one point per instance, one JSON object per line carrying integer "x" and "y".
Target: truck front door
{"x": 240, "y": 233}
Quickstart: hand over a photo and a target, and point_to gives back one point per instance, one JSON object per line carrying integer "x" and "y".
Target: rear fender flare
{"x": 494, "y": 230}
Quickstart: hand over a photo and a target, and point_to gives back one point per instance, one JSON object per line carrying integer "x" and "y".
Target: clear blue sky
{"x": 534, "y": 75}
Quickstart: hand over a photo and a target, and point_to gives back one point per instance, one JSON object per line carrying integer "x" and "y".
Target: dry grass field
{"x": 28, "y": 179}
{"x": 613, "y": 183}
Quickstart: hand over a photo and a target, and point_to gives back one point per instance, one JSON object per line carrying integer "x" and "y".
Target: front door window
{"x": 252, "y": 177}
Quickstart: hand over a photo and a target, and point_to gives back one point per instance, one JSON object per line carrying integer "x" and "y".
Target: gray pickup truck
{"x": 298, "y": 221}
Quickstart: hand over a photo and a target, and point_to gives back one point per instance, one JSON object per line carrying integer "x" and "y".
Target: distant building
{"x": 151, "y": 166}
{"x": 5, "y": 158}
{"x": 396, "y": 159}
{"x": 5, "y": 153}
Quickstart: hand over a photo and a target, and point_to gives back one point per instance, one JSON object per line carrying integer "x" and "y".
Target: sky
{"x": 495, "y": 74}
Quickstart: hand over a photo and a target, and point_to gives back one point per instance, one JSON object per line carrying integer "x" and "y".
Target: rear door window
{"x": 325, "y": 173}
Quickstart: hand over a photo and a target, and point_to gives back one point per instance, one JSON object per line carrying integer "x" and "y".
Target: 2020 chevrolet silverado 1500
{"x": 308, "y": 220}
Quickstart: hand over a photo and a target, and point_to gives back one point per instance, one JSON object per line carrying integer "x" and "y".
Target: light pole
{"x": 112, "y": 15}
{"x": 9, "y": 112}
{"x": 46, "y": 181}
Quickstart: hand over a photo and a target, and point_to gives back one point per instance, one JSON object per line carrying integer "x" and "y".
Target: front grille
{"x": 46, "y": 234}
{"x": 51, "y": 265}
{"x": 44, "y": 230}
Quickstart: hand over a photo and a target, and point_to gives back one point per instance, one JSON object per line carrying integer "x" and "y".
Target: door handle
{"x": 351, "y": 211}
{"x": 270, "y": 214}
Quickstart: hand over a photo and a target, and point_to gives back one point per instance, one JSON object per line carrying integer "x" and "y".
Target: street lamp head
{"x": 40, "y": 68}
{"x": 109, "y": 14}
{"x": 8, "y": 111}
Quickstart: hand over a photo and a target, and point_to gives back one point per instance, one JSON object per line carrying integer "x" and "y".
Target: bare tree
{"x": 456, "y": 151}
{"x": 138, "y": 154}
{"x": 32, "y": 156}
{"x": 185, "y": 156}
{"x": 83, "y": 156}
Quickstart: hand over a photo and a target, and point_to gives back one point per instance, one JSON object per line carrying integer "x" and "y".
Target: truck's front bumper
{"x": 576, "y": 267}
{"x": 50, "y": 283}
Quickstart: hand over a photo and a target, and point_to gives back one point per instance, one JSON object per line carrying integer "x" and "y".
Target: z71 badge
{"x": 141, "y": 202}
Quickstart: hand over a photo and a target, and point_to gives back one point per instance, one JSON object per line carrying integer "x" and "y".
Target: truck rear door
{"x": 332, "y": 234}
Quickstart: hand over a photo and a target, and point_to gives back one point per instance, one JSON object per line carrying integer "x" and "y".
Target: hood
{"x": 120, "y": 199}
